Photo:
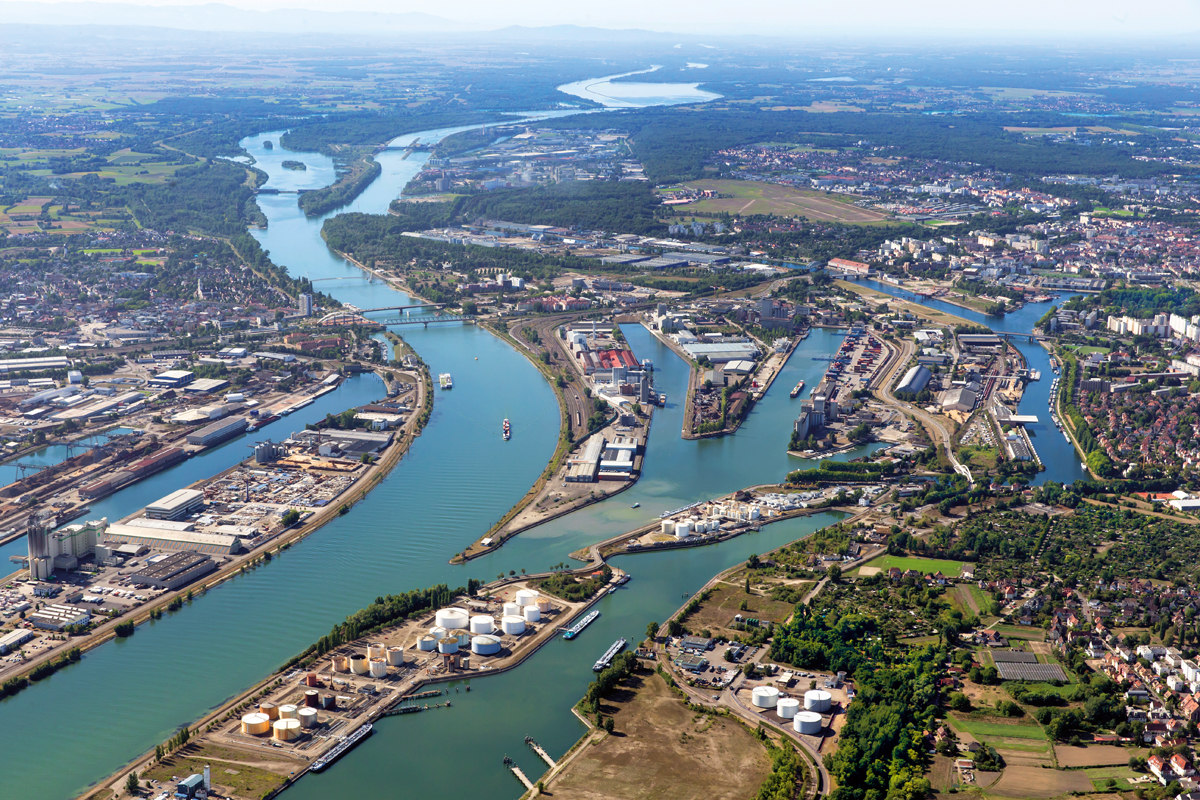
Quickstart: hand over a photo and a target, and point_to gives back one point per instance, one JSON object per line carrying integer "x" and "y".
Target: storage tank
{"x": 328, "y": 701}
{"x": 754, "y": 512}
{"x": 312, "y": 699}
{"x": 463, "y": 636}
{"x": 513, "y": 625}
{"x": 668, "y": 527}
{"x": 270, "y": 709}
{"x": 427, "y": 643}
{"x": 358, "y": 664}
{"x": 532, "y": 614}
{"x": 308, "y": 718}
{"x": 438, "y": 632}
{"x": 448, "y": 645}
{"x": 765, "y": 696}
{"x": 485, "y": 645}
{"x": 817, "y": 700}
{"x": 395, "y": 656}
{"x": 807, "y": 722}
{"x": 375, "y": 650}
{"x": 543, "y": 605}
{"x": 287, "y": 730}
{"x": 311, "y": 679}
{"x": 482, "y": 624}
{"x": 787, "y": 707}
{"x": 289, "y": 711}
{"x": 378, "y": 667}
{"x": 256, "y": 724}
{"x": 452, "y": 618}
{"x": 340, "y": 664}
{"x": 683, "y": 530}
{"x": 526, "y": 597}
{"x": 512, "y": 610}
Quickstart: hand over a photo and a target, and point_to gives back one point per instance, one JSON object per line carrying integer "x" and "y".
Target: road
{"x": 933, "y": 426}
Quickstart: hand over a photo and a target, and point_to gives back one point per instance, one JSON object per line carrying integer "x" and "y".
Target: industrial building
{"x": 39, "y": 364}
{"x": 176, "y": 570}
{"x": 59, "y": 616}
{"x": 176, "y": 505}
{"x": 206, "y": 385}
{"x": 173, "y": 378}
{"x": 959, "y": 399}
{"x": 218, "y": 431}
{"x": 167, "y": 536}
{"x": 915, "y": 380}
{"x": 584, "y": 466}
{"x": 987, "y": 342}
{"x": 14, "y": 639}
{"x": 51, "y": 550}
{"x": 350, "y": 444}
{"x": 139, "y": 469}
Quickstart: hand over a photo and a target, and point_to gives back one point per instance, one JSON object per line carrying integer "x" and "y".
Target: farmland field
{"x": 1008, "y": 730}
{"x": 1096, "y": 755}
{"x": 752, "y": 197}
{"x": 951, "y": 569}
{"x": 1039, "y": 782}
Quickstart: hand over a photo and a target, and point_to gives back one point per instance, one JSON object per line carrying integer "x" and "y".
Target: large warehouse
{"x": 167, "y": 536}
{"x": 915, "y": 380}
{"x": 218, "y": 431}
{"x": 176, "y": 570}
{"x": 176, "y": 505}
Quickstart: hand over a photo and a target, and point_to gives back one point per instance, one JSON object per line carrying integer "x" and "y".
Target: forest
{"x": 358, "y": 177}
{"x": 372, "y": 128}
{"x": 619, "y": 207}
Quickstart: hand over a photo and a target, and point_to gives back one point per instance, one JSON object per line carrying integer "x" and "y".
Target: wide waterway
{"x": 72, "y": 729}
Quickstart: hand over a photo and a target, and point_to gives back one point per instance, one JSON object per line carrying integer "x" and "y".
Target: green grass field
{"x": 980, "y": 728}
{"x": 951, "y": 569}
{"x": 1083, "y": 351}
{"x": 754, "y": 197}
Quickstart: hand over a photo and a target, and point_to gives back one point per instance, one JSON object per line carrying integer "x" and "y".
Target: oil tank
{"x": 448, "y": 645}
{"x": 378, "y": 667}
{"x": 270, "y": 709}
{"x": 787, "y": 707}
{"x": 754, "y": 512}
{"x": 683, "y": 530}
{"x": 543, "y": 605}
{"x": 513, "y": 625}
{"x": 451, "y": 618}
{"x": 375, "y": 650}
{"x": 482, "y": 624}
{"x": 312, "y": 699}
{"x": 289, "y": 711}
{"x": 764, "y": 696}
{"x": 358, "y": 664}
{"x": 311, "y": 679}
{"x": 255, "y": 724}
{"x": 807, "y": 722}
{"x": 287, "y": 730}
{"x": 526, "y": 597}
{"x": 340, "y": 664}
{"x": 485, "y": 645}
{"x": 395, "y": 656}
{"x": 427, "y": 643}
{"x": 512, "y": 610}
{"x": 668, "y": 527}
{"x": 437, "y": 632}
{"x": 464, "y": 638}
{"x": 532, "y": 614}
{"x": 308, "y": 718}
{"x": 328, "y": 701}
{"x": 817, "y": 700}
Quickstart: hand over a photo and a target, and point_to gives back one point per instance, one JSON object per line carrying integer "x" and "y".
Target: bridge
{"x": 426, "y": 320}
{"x": 1031, "y": 337}
{"x": 402, "y": 308}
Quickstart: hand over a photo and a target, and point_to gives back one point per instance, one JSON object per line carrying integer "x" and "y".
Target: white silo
{"x": 531, "y": 613}
{"x": 289, "y": 711}
{"x": 375, "y": 650}
{"x": 308, "y": 718}
{"x": 683, "y": 530}
{"x": 668, "y": 527}
{"x": 754, "y": 512}
{"x": 787, "y": 707}
{"x": 817, "y": 700}
{"x": 395, "y": 656}
{"x": 482, "y": 624}
{"x": 764, "y": 696}
{"x": 358, "y": 664}
{"x": 451, "y": 618}
{"x": 437, "y": 632}
{"x": 512, "y": 610}
{"x": 256, "y": 724}
{"x": 513, "y": 625}
{"x": 485, "y": 645}
{"x": 427, "y": 643}
{"x": 287, "y": 729}
{"x": 526, "y": 597}
{"x": 807, "y": 722}
{"x": 378, "y": 667}
{"x": 448, "y": 645}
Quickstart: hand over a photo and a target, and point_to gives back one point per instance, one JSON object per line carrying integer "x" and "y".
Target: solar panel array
{"x": 1017, "y": 671}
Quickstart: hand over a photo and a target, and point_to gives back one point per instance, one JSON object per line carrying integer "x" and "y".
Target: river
{"x": 72, "y": 729}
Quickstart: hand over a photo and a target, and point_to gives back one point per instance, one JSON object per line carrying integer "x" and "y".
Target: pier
{"x": 537, "y": 748}
{"x": 528, "y": 784}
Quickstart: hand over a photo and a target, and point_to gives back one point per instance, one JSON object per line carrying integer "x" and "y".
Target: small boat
{"x": 507, "y": 431}
{"x": 612, "y": 589}
{"x": 636, "y": 505}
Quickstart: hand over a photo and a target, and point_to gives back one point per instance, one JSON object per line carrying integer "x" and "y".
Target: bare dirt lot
{"x": 1096, "y": 755}
{"x": 1020, "y": 781}
{"x": 718, "y": 611}
{"x": 663, "y": 751}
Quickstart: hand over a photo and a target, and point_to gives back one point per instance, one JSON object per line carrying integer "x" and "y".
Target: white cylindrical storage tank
{"x": 543, "y": 605}
{"x": 395, "y": 656}
{"x": 308, "y": 718}
{"x": 437, "y": 632}
{"x": 426, "y": 643}
{"x": 668, "y": 527}
{"x": 378, "y": 667}
{"x": 765, "y": 696}
{"x": 289, "y": 711}
{"x": 375, "y": 650}
{"x": 287, "y": 729}
{"x": 485, "y": 645}
{"x": 532, "y": 614}
{"x": 807, "y": 722}
{"x": 683, "y": 530}
{"x": 270, "y": 709}
{"x": 512, "y": 610}
{"x": 526, "y": 597}
{"x": 452, "y": 618}
{"x": 513, "y": 625}
{"x": 448, "y": 645}
{"x": 256, "y": 724}
{"x": 817, "y": 700}
{"x": 754, "y": 512}
{"x": 482, "y": 624}
{"x": 787, "y": 707}
{"x": 358, "y": 664}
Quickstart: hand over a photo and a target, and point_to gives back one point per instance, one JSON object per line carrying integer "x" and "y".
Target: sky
{"x": 1037, "y": 19}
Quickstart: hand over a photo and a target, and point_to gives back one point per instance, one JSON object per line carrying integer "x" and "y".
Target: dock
{"x": 528, "y": 784}
{"x": 537, "y": 748}
{"x": 340, "y": 748}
